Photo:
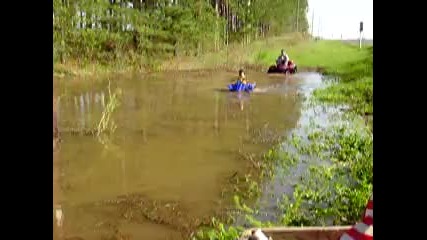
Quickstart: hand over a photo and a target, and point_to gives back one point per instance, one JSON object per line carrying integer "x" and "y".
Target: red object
{"x": 363, "y": 230}
{"x": 282, "y": 66}
{"x": 290, "y": 67}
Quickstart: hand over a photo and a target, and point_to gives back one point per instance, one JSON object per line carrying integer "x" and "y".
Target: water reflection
{"x": 216, "y": 122}
{"x": 86, "y": 111}
{"x": 82, "y": 112}
{"x": 57, "y": 209}
{"x": 58, "y": 108}
{"x": 58, "y": 215}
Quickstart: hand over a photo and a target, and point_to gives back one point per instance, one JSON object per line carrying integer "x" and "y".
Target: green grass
{"x": 233, "y": 56}
{"x": 355, "y": 86}
{"x": 358, "y": 94}
{"x": 331, "y": 55}
{"x": 348, "y": 179}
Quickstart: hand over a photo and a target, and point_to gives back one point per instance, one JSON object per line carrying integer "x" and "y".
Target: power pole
{"x": 312, "y": 23}
{"x": 360, "y": 34}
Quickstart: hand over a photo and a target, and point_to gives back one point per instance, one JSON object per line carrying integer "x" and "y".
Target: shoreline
{"x": 252, "y": 56}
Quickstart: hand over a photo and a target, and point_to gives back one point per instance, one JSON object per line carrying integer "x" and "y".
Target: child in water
{"x": 241, "y": 84}
{"x": 242, "y": 77}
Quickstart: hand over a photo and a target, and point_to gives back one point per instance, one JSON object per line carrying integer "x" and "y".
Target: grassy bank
{"x": 333, "y": 191}
{"x": 347, "y": 147}
{"x": 233, "y": 56}
{"x": 307, "y": 53}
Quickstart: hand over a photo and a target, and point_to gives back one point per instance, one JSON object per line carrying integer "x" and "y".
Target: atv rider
{"x": 282, "y": 60}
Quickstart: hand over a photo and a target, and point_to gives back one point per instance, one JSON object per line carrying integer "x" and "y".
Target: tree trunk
{"x": 137, "y": 4}
{"x": 217, "y": 38}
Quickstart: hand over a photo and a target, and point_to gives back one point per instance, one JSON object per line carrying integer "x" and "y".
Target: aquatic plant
{"x": 218, "y": 231}
{"x": 334, "y": 194}
{"x": 106, "y": 123}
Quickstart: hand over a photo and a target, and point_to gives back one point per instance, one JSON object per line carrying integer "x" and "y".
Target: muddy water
{"x": 178, "y": 136}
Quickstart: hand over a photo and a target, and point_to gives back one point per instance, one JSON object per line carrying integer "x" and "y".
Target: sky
{"x": 333, "y": 18}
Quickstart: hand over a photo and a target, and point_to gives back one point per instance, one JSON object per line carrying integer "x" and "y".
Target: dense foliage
{"x": 139, "y": 31}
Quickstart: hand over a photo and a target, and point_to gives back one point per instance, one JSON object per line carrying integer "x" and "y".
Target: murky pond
{"x": 161, "y": 173}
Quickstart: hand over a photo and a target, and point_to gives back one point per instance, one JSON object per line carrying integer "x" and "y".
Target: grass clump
{"x": 323, "y": 54}
{"x": 105, "y": 123}
{"x": 217, "y": 231}
{"x": 334, "y": 194}
{"x": 358, "y": 94}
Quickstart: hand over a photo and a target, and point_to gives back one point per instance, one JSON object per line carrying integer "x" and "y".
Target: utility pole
{"x": 360, "y": 34}
{"x": 298, "y": 16}
{"x": 312, "y": 23}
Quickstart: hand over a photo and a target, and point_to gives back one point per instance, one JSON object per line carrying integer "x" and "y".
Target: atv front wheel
{"x": 295, "y": 70}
